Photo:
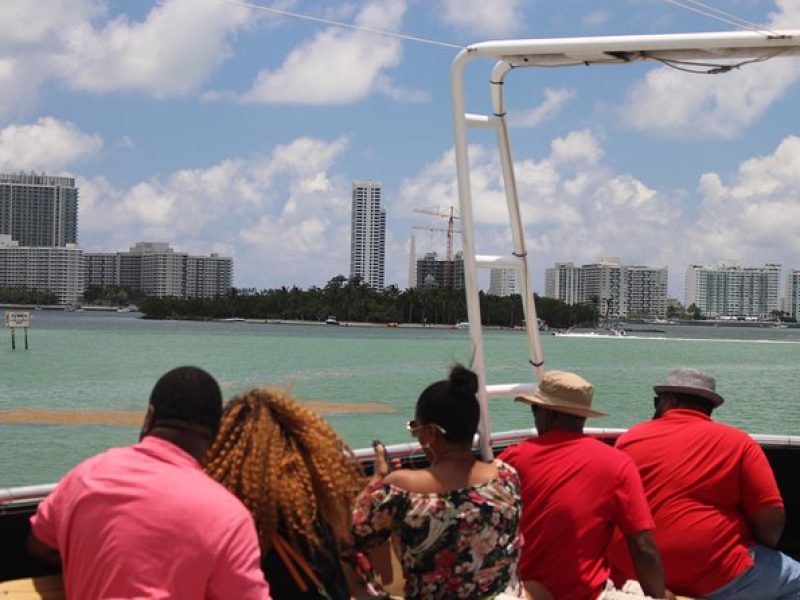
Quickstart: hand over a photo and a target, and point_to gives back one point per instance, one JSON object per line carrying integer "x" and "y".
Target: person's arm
{"x": 43, "y": 537}
{"x": 42, "y": 551}
{"x": 237, "y": 571}
{"x": 646, "y": 563}
{"x": 536, "y": 591}
{"x": 766, "y": 525}
{"x": 761, "y": 499}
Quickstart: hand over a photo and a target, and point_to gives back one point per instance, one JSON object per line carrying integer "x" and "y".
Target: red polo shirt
{"x": 702, "y": 479}
{"x": 575, "y": 490}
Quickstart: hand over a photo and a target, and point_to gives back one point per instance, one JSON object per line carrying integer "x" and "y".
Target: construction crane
{"x": 451, "y": 216}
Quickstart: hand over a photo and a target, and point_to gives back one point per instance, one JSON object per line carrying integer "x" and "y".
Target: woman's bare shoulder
{"x": 412, "y": 480}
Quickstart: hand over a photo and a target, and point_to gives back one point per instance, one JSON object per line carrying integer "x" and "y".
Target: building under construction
{"x": 435, "y": 273}
{"x": 432, "y": 272}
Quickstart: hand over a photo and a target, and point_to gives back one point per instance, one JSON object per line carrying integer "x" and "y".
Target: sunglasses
{"x": 413, "y": 425}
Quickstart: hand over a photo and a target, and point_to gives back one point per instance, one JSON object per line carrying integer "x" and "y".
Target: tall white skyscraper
{"x": 368, "y": 234}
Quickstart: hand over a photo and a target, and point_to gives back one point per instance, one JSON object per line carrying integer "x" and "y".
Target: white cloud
{"x": 47, "y": 145}
{"x": 479, "y": 17}
{"x": 275, "y": 213}
{"x": 178, "y": 45}
{"x": 337, "y": 66}
{"x": 172, "y": 51}
{"x": 554, "y": 100}
{"x": 754, "y": 217}
{"x": 674, "y": 104}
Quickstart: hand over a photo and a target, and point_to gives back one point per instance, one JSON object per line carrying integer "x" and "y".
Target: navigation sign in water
{"x": 18, "y": 320}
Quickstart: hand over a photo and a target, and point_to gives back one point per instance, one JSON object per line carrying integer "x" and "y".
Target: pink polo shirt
{"x": 144, "y": 521}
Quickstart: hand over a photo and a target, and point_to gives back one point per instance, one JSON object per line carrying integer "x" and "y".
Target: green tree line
{"x": 353, "y": 300}
{"x": 22, "y": 295}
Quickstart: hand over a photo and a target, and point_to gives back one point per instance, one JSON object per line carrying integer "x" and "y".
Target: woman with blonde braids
{"x": 299, "y": 480}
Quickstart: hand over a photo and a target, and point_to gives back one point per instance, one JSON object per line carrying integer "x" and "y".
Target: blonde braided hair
{"x": 287, "y": 465}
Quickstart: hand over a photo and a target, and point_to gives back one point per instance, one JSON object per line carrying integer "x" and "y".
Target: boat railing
{"x": 411, "y": 453}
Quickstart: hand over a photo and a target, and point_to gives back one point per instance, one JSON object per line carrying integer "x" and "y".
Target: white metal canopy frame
{"x": 712, "y": 52}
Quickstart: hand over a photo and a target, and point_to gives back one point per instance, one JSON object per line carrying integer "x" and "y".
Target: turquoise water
{"x": 93, "y": 361}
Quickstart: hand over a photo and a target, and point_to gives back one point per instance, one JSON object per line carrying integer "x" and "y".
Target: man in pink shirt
{"x": 144, "y": 521}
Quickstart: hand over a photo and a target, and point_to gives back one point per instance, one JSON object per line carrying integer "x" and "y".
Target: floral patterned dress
{"x": 461, "y": 544}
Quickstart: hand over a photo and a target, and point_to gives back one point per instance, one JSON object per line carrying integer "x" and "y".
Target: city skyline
{"x": 233, "y": 130}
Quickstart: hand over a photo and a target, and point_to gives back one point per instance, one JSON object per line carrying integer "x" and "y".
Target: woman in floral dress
{"x": 455, "y": 523}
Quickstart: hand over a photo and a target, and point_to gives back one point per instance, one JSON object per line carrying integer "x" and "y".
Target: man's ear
{"x": 149, "y": 420}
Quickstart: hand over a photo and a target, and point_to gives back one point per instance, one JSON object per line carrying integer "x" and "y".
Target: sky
{"x": 219, "y": 127}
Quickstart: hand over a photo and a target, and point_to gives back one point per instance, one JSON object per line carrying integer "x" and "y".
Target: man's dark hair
{"x": 694, "y": 403}
{"x": 187, "y": 395}
{"x": 452, "y": 405}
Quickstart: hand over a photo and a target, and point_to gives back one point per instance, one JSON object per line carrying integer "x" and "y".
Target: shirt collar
{"x": 686, "y": 413}
{"x": 167, "y": 452}
{"x": 558, "y": 435}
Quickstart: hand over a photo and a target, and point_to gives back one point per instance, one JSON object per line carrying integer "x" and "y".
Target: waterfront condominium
{"x": 155, "y": 269}
{"x": 564, "y": 281}
{"x": 503, "y": 282}
{"x": 730, "y": 290}
{"x": 39, "y": 210}
{"x": 618, "y": 290}
{"x": 56, "y": 269}
{"x": 368, "y": 234}
{"x": 793, "y": 294}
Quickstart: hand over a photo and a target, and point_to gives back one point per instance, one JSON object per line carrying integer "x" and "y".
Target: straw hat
{"x": 564, "y": 392}
{"x": 692, "y": 382}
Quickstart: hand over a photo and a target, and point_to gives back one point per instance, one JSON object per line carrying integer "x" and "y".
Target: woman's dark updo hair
{"x": 453, "y": 405}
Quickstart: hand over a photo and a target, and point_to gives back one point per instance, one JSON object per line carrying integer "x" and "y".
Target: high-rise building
{"x": 603, "y": 283}
{"x": 368, "y": 234}
{"x": 39, "y": 210}
{"x": 793, "y": 294}
{"x": 618, "y": 290}
{"x": 155, "y": 269}
{"x": 730, "y": 290}
{"x": 503, "y": 282}
{"x": 435, "y": 273}
{"x": 412, "y": 262}
{"x": 646, "y": 291}
{"x": 57, "y": 269}
{"x": 564, "y": 282}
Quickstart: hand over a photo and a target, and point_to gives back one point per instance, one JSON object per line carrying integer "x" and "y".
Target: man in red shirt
{"x": 145, "y": 521}
{"x": 575, "y": 490}
{"x": 713, "y": 495}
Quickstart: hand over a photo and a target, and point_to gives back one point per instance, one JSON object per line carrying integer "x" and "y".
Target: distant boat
{"x": 234, "y": 320}
{"x": 462, "y": 325}
{"x": 592, "y": 333}
{"x": 331, "y": 321}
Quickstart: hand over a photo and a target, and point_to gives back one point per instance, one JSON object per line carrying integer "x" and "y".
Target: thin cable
{"x": 393, "y": 34}
{"x": 715, "y": 69}
{"x": 719, "y": 11}
{"x": 737, "y": 22}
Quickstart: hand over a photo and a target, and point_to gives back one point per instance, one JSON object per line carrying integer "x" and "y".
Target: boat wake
{"x": 629, "y": 336}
